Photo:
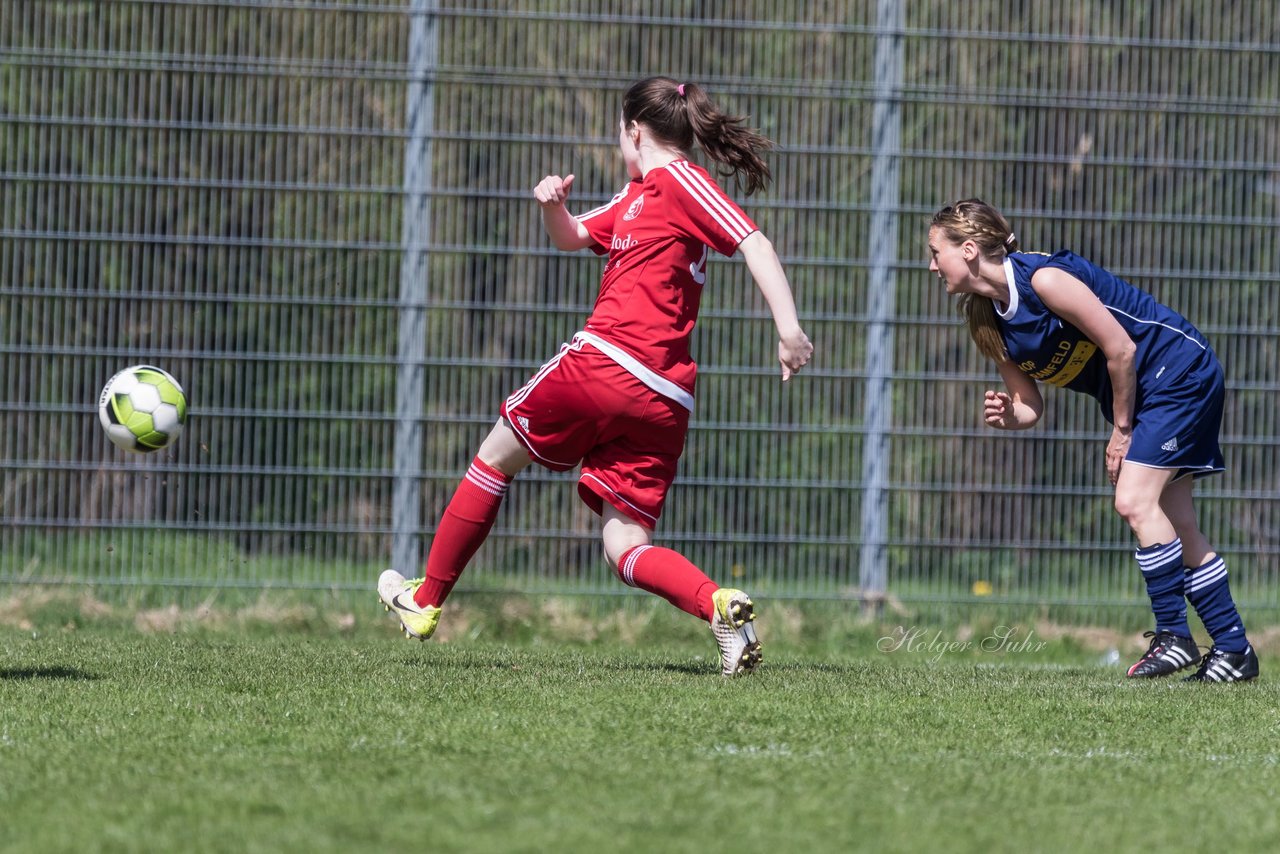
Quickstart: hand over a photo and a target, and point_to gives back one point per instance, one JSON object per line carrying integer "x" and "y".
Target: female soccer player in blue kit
{"x": 1063, "y": 320}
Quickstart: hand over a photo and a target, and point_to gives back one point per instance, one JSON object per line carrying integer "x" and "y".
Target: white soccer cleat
{"x": 396, "y": 593}
{"x": 732, "y": 624}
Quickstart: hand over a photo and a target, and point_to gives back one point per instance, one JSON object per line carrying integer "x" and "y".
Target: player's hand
{"x": 552, "y": 191}
{"x": 998, "y": 411}
{"x": 1117, "y": 450}
{"x": 794, "y": 353}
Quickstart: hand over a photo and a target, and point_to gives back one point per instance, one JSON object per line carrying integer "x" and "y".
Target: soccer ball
{"x": 142, "y": 409}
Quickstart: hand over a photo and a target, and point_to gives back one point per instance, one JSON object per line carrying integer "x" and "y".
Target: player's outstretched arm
{"x": 1073, "y": 301}
{"x": 563, "y": 227}
{"x": 794, "y": 347}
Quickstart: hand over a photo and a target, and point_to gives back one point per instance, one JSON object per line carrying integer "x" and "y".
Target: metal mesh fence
{"x": 318, "y": 216}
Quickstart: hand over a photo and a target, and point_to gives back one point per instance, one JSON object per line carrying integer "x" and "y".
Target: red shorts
{"x": 583, "y": 407}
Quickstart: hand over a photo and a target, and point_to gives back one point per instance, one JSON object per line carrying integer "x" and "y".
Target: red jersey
{"x": 656, "y": 232}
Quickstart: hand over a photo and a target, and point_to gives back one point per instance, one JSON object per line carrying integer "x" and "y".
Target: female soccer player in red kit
{"x": 617, "y": 398}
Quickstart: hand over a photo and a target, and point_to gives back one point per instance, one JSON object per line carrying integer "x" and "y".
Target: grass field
{"x": 543, "y": 730}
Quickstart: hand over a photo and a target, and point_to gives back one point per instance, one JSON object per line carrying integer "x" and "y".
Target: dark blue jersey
{"x": 1048, "y": 349}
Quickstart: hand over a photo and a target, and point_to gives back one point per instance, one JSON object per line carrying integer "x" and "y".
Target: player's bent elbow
{"x": 1124, "y": 356}
{"x": 755, "y": 242}
{"x": 572, "y": 242}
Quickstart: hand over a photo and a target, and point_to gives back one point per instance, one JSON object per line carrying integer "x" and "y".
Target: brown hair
{"x": 681, "y": 114}
{"x": 974, "y": 219}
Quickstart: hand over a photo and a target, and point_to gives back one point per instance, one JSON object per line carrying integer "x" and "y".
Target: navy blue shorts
{"x": 1176, "y": 425}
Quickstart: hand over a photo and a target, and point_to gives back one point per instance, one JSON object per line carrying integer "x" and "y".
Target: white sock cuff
{"x": 1155, "y": 559}
{"x": 1206, "y": 576}
{"x": 627, "y": 568}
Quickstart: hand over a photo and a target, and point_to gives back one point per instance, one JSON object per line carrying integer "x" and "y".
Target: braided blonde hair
{"x": 974, "y": 219}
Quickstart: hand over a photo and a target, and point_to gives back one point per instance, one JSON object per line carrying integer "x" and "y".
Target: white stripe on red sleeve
{"x": 711, "y": 197}
{"x": 595, "y": 212}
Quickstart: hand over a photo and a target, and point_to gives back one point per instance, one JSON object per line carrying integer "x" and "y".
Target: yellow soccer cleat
{"x": 396, "y": 593}
{"x": 732, "y": 624}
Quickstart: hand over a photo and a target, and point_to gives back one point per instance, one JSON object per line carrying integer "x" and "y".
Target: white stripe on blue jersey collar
{"x": 1012, "y": 308}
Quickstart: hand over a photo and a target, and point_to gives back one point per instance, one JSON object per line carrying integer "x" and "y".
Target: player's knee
{"x": 1123, "y": 506}
{"x": 620, "y": 535}
{"x": 1135, "y": 508}
{"x": 616, "y": 557}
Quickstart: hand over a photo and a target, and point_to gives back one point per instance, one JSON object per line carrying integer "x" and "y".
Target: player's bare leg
{"x": 1232, "y": 658}
{"x": 1159, "y": 556}
{"x": 466, "y": 523}
{"x": 728, "y": 611}
{"x": 1180, "y": 566}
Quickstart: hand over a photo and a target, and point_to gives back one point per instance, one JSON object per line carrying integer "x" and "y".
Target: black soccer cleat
{"x": 1221, "y": 666}
{"x": 1167, "y": 654}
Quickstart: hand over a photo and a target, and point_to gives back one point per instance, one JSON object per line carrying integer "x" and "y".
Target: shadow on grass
{"x": 688, "y": 669}
{"x": 16, "y": 673}
{"x": 840, "y": 669}
{"x": 520, "y": 660}
{"x": 765, "y": 668}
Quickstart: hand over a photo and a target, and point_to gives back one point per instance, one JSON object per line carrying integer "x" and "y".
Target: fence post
{"x": 406, "y": 500}
{"x": 886, "y": 144}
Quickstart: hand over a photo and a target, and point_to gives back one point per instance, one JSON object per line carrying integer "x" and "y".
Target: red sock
{"x": 671, "y": 576}
{"x": 466, "y": 522}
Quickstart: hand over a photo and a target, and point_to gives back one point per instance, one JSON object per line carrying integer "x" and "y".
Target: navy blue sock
{"x": 1209, "y": 594}
{"x": 1161, "y": 567}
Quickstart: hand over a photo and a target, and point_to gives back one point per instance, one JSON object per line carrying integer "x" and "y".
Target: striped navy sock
{"x": 1161, "y": 567}
{"x": 1210, "y": 595}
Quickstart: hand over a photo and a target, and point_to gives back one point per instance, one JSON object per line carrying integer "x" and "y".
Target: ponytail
{"x": 980, "y": 316}
{"x": 728, "y": 141}
{"x": 681, "y": 114}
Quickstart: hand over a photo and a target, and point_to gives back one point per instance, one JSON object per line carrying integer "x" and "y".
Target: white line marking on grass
{"x": 1104, "y": 752}
{"x": 750, "y": 750}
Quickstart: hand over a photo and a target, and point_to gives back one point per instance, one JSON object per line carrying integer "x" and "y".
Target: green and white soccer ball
{"x": 142, "y": 408}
